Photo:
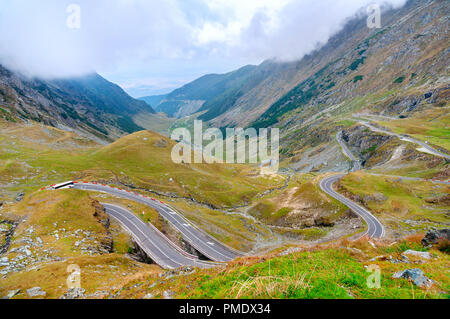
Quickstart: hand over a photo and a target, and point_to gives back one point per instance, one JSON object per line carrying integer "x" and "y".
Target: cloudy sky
{"x": 153, "y": 46}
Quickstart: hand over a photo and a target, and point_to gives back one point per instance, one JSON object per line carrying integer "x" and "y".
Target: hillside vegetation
{"x": 336, "y": 270}
{"x": 90, "y": 104}
{"x": 403, "y": 205}
{"x": 141, "y": 160}
{"x": 58, "y": 229}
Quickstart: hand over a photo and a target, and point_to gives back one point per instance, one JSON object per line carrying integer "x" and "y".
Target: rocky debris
{"x": 162, "y": 143}
{"x": 422, "y": 256}
{"x": 291, "y": 251}
{"x": 28, "y": 249}
{"x": 416, "y": 276}
{"x": 391, "y": 259}
{"x": 100, "y": 214}
{"x": 377, "y": 197}
{"x": 177, "y": 272}
{"x": 36, "y": 292}
{"x": 405, "y": 104}
{"x": 9, "y": 228}
{"x": 442, "y": 200}
{"x": 138, "y": 254}
{"x": 148, "y": 296}
{"x": 12, "y": 294}
{"x": 19, "y": 197}
{"x": 434, "y": 236}
{"x": 168, "y": 294}
{"x": 363, "y": 142}
{"x": 74, "y": 293}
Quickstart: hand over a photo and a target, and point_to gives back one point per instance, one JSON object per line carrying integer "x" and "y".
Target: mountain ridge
{"x": 259, "y": 91}
{"x": 89, "y": 104}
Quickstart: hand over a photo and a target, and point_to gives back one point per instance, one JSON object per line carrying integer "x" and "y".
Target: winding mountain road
{"x": 158, "y": 247}
{"x": 424, "y": 147}
{"x": 196, "y": 237}
{"x": 374, "y": 227}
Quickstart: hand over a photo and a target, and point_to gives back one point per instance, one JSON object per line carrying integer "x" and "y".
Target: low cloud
{"x": 139, "y": 37}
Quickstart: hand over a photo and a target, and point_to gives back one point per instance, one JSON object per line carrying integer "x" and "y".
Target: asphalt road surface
{"x": 374, "y": 228}
{"x": 196, "y": 237}
{"x": 355, "y": 162}
{"x": 158, "y": 247}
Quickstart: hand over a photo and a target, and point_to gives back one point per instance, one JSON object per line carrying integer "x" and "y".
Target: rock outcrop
{"x": 416, "y": 276}
{"x": 433, "y": 237}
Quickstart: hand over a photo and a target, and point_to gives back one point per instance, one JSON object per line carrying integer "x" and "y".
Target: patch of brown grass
{"x": 269, "y": 286}
{"x": 416, "y": 238}
{"x": 98, "y": 273}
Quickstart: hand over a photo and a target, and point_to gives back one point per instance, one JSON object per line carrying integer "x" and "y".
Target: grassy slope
{"x": 432, "y": 125}
{"x": 423, "y": 202}
{"x": 143, "y": 159}
{"x": 98, "y": 274}
{"x": 156, "y": 122}
{"x": 146, "y": 158}
{"x": 65, "y": 213}
{"x": 331, "y": 271}
{"x": 30, "y": 158}
{"x": 302, "y": 199}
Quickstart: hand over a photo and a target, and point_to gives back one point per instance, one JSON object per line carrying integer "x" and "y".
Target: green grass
{"x": 423, "y": 202}
{"x": 346, "y": 123}
{"x": 142, "y": 159}
{"x": 330, "y": 272}
{"x": 432, "y": 125}
{"x": 312, "y": 233}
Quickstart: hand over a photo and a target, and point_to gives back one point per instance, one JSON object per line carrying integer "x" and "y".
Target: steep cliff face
{"x": 89, "y": 105}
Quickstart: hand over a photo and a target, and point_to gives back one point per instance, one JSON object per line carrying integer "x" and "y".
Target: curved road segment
{"x": 374, "y": 228}
{"x": 424, "y": 147}
{"x": 355, "y": 162}
{"x": 155, "y": 244}
{"x": 197, "y": 238}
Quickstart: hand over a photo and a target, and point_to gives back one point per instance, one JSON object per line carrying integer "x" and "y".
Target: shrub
{"x": 357, "y": 78}
{"x": 443, "y": 245}
{"x": 399, "y": 80}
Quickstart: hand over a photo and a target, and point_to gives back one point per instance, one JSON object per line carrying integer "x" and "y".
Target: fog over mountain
{"x": 139, "y": 43}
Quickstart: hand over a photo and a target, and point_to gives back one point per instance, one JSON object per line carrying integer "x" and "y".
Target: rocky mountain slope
{"x": 395, "y": 78}
{"x": 154, "y": 100}
{"x": 398, "y": 72}
{"x": 211, "y": 94}
{"x": 89, "y": 105}
{"x": 409, "y": 51}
